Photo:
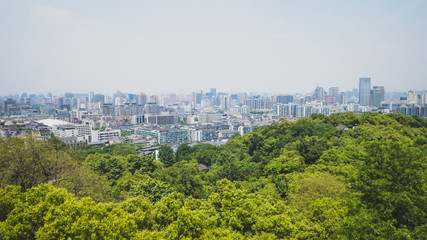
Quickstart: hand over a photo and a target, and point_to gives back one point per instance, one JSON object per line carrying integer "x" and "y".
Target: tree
{"x": 121, "y": 149}
{"x": 28, "y": 162}
{"x": 288, "y": 162}
{"x": 311, "y": 148}
{"x": 392, "y": 181}
{"x": 105, "y": 164}
{"x": 182, "y": 152}
{"x": 141, "y": 184}
{"x": 84, "y": 182}
{"x": 306, "y": 188}
{"x": 143, "y": 164}
{"x": 166, "y": 155}
{"x": 184, "y": 177}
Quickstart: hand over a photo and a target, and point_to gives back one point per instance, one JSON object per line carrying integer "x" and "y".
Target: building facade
{"x": 364, "y": 91}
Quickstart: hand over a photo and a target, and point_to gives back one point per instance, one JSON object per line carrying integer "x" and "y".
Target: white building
{"x": 423, "y": 98}
{"x": 63, "y": 131}
{"x": 209, "y": 117}
{"x": 411, "y": 98}
{"x": 103, "y": 136}
{"x": 84, "y": 129}
{"x": 196, "y": 135}
{"x": 138, "y": 119}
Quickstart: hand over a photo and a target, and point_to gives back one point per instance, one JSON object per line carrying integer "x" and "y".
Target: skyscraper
{"x": 197, "y": 97}
{"x": 319, "y": 94}
{"x": 364, "y": 91}
{"x": 285, "y": 99}
{"x": 378, "y": 93}
{"x": 333, "y": 91}
{"x": 142, "y": 99}
{"x": 341, "y": 98}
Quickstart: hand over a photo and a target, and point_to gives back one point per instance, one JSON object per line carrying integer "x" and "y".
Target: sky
{"x": 183, "y": 46}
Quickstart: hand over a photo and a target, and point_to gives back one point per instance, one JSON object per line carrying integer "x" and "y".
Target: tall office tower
{"x": 107, "y": 109}
{"x": 364, "y": 91}
{"x": 333, "y": 91}
{"x": 341, "y": 98}
{"x": 377, "y": 95}
{"x": 197, "y": 97}
{"x": 243, "y": 97}
{"x": 131, "y": 97}
{"x": 225, "y": 102}
{"x": 98, "y": 98}
{"x": 142, "y": 99}
{"x": 354, "y": 93}
{"x": 423, "y": 98}
{"x": 117, "y": 101}
{"x": 22, "y": 98}
{"x": 319, "y": 94}
{"x": 7, "y": 105}
{"x": 285, "y": 99}
{"x": 91, "y": 95}
{"x": 69, "y": 95}
{"x": 173, "y": 98}
{"x": 213, "y": 92}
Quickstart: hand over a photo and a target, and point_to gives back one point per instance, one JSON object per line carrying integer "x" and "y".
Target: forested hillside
{"x": 346, "y": 176}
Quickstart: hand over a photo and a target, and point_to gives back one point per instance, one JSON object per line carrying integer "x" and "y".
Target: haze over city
{"x": 185, "y": 46}
{"x": 213, "y": 119}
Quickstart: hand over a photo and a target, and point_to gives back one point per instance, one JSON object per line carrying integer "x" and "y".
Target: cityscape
{"x": 189, "y": 119}
{"x": 207, "y": 116}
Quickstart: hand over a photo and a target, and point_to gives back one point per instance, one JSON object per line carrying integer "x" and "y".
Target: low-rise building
{"x": 103, "y": 136}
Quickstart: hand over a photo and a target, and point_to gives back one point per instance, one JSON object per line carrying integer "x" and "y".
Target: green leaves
{"x": 288, "y": 162}
{"x": 392, "y": 181}
{"x": 166, "y": 155}
{"x": 49, "y": 213}
{"x": 110, "y": 166}
{"x": 291, "y": 180}
{"x": 28, "y": 162}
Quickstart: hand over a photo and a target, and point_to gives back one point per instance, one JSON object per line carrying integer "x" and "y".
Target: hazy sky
{"x": 235, "y": 46}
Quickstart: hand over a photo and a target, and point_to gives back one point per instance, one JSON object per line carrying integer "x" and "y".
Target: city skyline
{"x": 242, "y": 46}
{"x": 204, "y": 91}
{"x": 327, "y": 90}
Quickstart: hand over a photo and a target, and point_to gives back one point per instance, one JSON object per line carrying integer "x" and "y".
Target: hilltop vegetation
{"x": 291, "y": 180}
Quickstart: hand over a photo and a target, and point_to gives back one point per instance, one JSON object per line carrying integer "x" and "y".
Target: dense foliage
{"x": 291, "y": 180}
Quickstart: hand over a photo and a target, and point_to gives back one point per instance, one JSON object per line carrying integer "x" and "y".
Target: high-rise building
{"x": 333, "y": 91}
{"x": 7, "y": 105}
{"x": 91, "y": 95}
{"x": 225, "y": 102}
{"x": 69, "y": 95}
{"x": 354, "y": 93}
{"x": 255, "y": 103}
{"x": 377, "y": 95}
{"x": 411, "y": 97}
{"x": 107, "y": 109}
{"x": 382, "y": 90}
{"x": 162, "y": 120}
{"x": 364, "y": 91}
{"x": 341, "y": 98}
{"x": 152, "y": 108}
{"x": 319, "y": 94}
{"x": 285, "y": 99}
{"x": 197, "y": 97}
{"x": 331, "y": 100}
{"x": 98, "y": 98}
{"x": 213, "y": 92}
{"x": 423, "y": 98}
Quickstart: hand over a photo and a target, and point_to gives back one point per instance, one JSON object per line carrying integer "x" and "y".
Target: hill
{"x": 345, "y": 176}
